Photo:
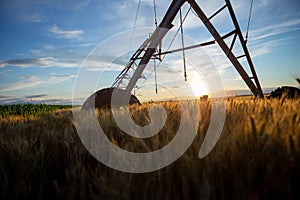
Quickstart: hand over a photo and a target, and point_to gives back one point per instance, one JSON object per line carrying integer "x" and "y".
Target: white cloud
{"x": 2, "y": 63}
{"x": 275, "y": 29}
{"x": 264, "y": 3}
{"x": 68, "y": 34}
{"x": 28, "y": 77}
{"x": 29, "y": 62}
{"x": 29, "y": 82}
{"x": 35, "y": 18}
{"x": 81, "y": 4}
{"x": 149, "y": 2}
{"x": 36, "y": 96}
{"x": 20, "y": 85}
{"x": 48, "y": 47}
{"x": 38, "y": 62}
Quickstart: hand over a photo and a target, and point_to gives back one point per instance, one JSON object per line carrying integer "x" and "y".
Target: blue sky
{"x": 43, "y": 44}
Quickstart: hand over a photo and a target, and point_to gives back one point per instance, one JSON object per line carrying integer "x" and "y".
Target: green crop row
{"x": 29, "y": 109}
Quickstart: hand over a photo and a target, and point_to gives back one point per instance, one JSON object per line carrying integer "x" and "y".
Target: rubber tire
{"x": 102, "y": 98}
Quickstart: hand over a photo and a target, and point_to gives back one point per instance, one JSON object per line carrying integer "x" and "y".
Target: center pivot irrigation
{"x": 151, "y": 48}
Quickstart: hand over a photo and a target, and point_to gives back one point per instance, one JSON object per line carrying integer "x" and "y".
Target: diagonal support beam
{"x": 243, "y": 43}
{"x": 256, "y": 90}
{"x": 166, "y": 24}
{"x": 155, "y": 40}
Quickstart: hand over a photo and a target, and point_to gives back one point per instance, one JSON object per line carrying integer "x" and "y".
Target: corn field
{"x": 29, "y": 109}
{"x": 256, "y": 157}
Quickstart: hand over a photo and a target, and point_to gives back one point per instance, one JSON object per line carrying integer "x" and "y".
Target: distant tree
{"x": 298, "y": 80}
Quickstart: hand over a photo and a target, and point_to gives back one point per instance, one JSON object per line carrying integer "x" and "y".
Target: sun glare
{"x": 199, "y": 88}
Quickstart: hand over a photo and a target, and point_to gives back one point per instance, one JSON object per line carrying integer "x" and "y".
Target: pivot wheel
{"x": 102, "y": 98}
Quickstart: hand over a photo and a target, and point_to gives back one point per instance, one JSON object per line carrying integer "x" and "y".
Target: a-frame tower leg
{"x": 256, "y": 89}
{"x": 166, "y": 24}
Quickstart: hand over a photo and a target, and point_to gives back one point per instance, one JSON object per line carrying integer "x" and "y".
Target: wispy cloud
{"x": 38, "y": 99}
{"x": 275, "y": 29}
{"x": 67, "y": 34}
{"x": 37, "y": 96}
{"x": 266, "y": 47}
{"x": 5, "y": 97}
{"x": 81, "y": 4}
{"x": 20, "y": 85}
{"x": 54, "y": 75}
{"x": 28, "y": 77}
{"x": 30, "y": 82}
{"x": 35, "y": 18}
{"x": 29, "y": 62}
{"x": 2, "y": 63}
{"x": 12, "y": 100}
{"x": 38, "y": 62}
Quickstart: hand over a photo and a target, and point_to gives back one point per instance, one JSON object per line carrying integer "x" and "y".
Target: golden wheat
{"x": 256, "y": 157}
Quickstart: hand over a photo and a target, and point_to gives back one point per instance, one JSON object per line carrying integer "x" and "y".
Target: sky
{"x": 48, "y": 46}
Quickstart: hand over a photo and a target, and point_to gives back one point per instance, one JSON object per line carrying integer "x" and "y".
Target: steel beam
{"x": 243, "y": 43}
{"x": 155, "y": 40}
{"x": 256, "y": 90}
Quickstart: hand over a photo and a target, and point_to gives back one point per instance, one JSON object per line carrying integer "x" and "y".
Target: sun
{"x": 198, "y": 88}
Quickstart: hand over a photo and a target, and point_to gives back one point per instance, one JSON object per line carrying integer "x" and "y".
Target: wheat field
{"x": 256, "y": 157}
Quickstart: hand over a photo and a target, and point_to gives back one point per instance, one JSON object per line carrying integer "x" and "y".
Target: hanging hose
{"x": 249, "y": 19}
{"x": 159, "y": 47}
{"x": 169, "y": 46}
{"x": 155, "y": 77}
{"x": 155, "y": 22}
{"x": 155, "y": 15}
{"x": 133, "y": 29}
{"x": 182, "y": 42}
